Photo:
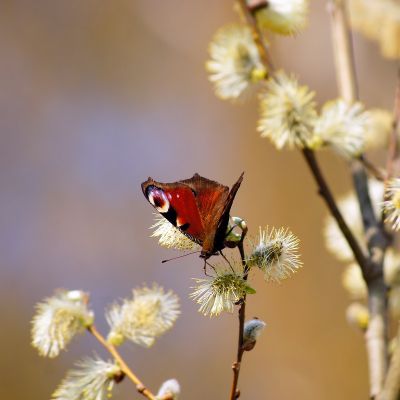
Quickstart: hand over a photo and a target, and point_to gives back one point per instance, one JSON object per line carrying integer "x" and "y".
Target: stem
{"x": 372, "y": 168}
{"x": 124, "y": 367}
{"x": 391, "y": 387}
{"x": 371, "y": 264}
{"x": 310, "y": 157}
{"x": 235, "y": 393}
{"x": 257, "y": 34}
{"x": 376, "y": 335}
{"x": 326, "y": 194}
{"x": 343, "y": 51}
{"x": 393, "y": 149}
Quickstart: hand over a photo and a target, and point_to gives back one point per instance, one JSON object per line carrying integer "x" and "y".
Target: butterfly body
{"x": 198, "y": 207}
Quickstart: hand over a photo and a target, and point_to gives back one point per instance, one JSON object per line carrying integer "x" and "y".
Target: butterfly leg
{"x": 205, "y": 268}
{"x": 230, "y": 265}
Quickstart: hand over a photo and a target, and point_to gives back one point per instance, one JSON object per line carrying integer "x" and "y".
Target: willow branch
{"x": 393, "y": 149}
{"x": 326, "y": 194}
{"x": 371, "y": 264}
{"x": 376, "y": 336}
{"x": 248, "y": 12}
{"x": 391, "y": 387}
{"x": 235, "y": 393}
{"x": 343, "y": 51}
{"x": 376, "y": 172}
{"x": 124, "y": 367}
{"x": 309, "y": 156}
{"x": 347, "y": 87}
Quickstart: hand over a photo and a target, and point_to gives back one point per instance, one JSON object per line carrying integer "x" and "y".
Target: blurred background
{"x": 95, "y": 97}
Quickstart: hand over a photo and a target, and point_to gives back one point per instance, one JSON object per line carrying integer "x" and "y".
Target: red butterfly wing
{"x": 198, "y": 206}
{"x": 177, "y": 203}
{"x": 211, "y": 198}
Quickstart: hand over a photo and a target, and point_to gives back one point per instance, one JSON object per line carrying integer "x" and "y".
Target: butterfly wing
{"x": 223, "y": 221}
{"x": 177, "y": 203}
{"x": 198, "y": 207}
{"x": 214, "y": 202}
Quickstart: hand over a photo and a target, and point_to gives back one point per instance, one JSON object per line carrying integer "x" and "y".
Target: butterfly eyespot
{"x": 158, "y": 199}
{"x": 182, "y": 225}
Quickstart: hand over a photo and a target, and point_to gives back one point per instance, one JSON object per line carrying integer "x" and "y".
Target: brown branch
{"x": 326, "y": 194}
{"x": 235, "y": 393}
{"x": 393, "y": 148}
{"x": 391, "y": 387}
{"x": 377, "y": 240}
{"x": 124, "y": 367}
{"x": 310, "y": 157}
{"x": 343, "y": 51}
{"x": 371, "y": 264}
{"x": 347, "y": 87}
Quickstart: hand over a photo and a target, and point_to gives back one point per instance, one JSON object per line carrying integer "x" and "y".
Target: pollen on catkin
{"x": 220, "y": 292}
{"x": 147, "y": 315}
{"x": 92, "y": 379}
{"x": 342, "y": 127}
{"x": 58, "y": 319}
{"x": 287, "y": 112}
{"x": 276, "y": 253}
{"x": 235, "y": 64}
{"x": 171, "y": 237}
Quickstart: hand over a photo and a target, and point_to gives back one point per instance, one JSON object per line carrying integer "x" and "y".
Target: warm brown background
{"x": 95, "y": 97}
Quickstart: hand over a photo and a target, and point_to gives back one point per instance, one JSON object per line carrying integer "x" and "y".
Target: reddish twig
{"x": 124, "y": 367}
{"x": 235, "y": 393}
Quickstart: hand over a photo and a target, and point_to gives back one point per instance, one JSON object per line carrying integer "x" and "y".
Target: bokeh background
{"x": 95, "y": 97}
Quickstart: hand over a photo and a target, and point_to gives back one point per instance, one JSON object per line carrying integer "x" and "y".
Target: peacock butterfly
{"x": 198, "y": 207}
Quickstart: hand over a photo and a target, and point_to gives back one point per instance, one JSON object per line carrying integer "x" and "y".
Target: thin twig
{"x": 124, "y": 367}
{"x": 257, "y": 35}
{"x": 326, "y": 194}
{"x": 377, "y": 173}
{"x": 235, "y": 393}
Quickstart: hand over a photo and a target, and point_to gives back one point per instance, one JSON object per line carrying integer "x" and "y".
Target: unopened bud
{"x": 251, "y": 331}
{"x": 170, "y": 389}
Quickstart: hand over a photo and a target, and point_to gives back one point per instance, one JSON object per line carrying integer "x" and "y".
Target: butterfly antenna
{"x": 184, "y": 255}
{"x": 230, "y": 265}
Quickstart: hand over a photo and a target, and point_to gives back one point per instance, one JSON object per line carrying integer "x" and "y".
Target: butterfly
{"x": 198, "y": 207}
